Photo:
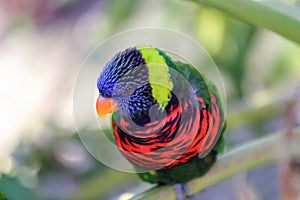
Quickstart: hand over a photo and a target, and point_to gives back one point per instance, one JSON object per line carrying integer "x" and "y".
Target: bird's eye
{"x": 129, "y": 89}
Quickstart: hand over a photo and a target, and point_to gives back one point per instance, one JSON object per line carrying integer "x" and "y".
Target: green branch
{"x": 273, "y": 15}
{"x": 264, "y": 151}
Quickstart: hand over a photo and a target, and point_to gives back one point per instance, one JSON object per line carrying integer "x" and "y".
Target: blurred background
{"x": 43, "y": 43}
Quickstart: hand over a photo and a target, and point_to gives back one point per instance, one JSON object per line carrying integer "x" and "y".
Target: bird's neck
{"x": 153, "y": 112}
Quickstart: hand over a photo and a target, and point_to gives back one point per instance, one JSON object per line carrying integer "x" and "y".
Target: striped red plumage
{"x": 187, "y": 131}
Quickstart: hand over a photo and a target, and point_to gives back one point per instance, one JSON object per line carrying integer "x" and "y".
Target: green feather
{"x": 181, "y": 173}
{"x": 159, "y": 76}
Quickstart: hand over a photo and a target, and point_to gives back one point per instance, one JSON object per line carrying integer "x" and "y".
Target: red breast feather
{"x": 187, "y": 131}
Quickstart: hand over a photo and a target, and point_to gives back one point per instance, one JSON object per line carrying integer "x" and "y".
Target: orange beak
{"x": 105, "y": 106}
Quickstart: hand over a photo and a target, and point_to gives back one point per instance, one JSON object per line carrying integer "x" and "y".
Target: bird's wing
{"x": 205, "y": 89}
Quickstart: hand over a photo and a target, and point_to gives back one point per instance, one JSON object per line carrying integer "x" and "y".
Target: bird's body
{"x": 170, "y": 117}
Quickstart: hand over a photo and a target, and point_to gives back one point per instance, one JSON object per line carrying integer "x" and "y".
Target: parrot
{"x": 168, "y": 118}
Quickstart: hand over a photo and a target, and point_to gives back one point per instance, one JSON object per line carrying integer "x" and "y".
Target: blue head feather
{"x": 114, "y": 70}
{"x": 127, "y": 69}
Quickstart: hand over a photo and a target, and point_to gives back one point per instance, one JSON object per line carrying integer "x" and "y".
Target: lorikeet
{"x": 168, "y": 118}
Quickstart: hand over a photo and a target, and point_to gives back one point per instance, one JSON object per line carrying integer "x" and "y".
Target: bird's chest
{"x": 167, "y": 142}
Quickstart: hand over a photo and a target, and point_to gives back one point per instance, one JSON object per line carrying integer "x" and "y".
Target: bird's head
{"x": 133, "y": 82}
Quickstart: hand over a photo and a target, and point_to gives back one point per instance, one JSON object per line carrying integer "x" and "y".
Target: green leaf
{"x": 273, "y": 15}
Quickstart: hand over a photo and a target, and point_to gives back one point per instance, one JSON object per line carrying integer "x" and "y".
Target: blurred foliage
{"x": 49, "y": 162}
{"x": 9, "y": 186}
{"x": 227, "y": 41}
{"x": 119, "y": 11}
{"x": 2, "y": 196}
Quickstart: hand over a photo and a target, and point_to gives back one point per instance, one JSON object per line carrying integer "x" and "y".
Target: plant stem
{"x": 253, "y": 154}
{"x": 273, "y": 15}
{"x": 288, "y": 167}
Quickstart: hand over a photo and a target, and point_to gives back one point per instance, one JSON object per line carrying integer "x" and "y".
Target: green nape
{"x": 159, "y": 76}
